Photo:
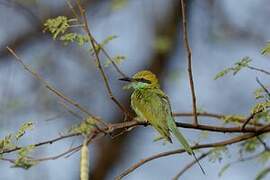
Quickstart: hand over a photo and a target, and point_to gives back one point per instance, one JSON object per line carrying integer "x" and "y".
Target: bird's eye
{"x": 143, "y": 80}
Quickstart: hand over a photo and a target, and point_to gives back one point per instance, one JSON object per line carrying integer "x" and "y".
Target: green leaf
{"x": 25, "y": 127}
{"x": 244, "y": 62}
{"x": 6, "y": 143}
{"x": 262, "y": 174}
{"x": 118, "y": 4}
{"x": 218, "y": 153}
{"x": 162, "y": 44}
{"x": 74, "y": 37}
{"x": 233, "y": 119}
{"x": 85, "y": 127}
{"x": 222, "y": 73}
{"x": 264, "y": 157}
{"x": 103, "y": 43}
{"x": 260, "y": 107}
{"x": 56, "y": 26}
{"x": 266, "y": 49}
{"x": 250, "y": 145}
{"x": 116, "y": 59}
{"x": 223, "y": 169}
{"x": 22, "y": 160}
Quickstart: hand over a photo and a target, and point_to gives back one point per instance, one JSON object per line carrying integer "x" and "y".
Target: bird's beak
{"x": 126, "y": 79}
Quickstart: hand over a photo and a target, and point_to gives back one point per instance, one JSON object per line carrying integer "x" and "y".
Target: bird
{"x": 152, "y": 105}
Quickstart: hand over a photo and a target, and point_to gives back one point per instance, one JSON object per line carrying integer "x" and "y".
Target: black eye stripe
{"x": 143, "y": 80}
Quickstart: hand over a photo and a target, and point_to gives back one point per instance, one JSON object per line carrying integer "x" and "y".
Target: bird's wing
{"x": 171, "y": 123}
{"x": 150, "y": 106}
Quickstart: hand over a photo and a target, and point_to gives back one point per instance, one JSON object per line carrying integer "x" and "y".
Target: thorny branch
{"x": 189, "y": 56}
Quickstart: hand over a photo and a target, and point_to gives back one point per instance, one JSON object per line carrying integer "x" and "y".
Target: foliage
{"x": 22, "y": 160}
{"x": 264, "y": 157}
{"x": 84, "y": 127}
{"x": 260, "y": 93}
{"x": 223, "y": 169}
{"x": 116, "y": 59}
{"x": 218, "y": 153}
{"x": 9, "y": 141}
{"x": 250, "y": 145}
{"x": 6, "y": 143}
{"x": 233, "y": 119}
{"x": 262, "y": 174}
{"x": 118, "y": 4}
{"x": 162, "y": 44}
{"x": 266, "y": 49}
{"x": 243, "y": 63}
{"x": 74, "y": 37}
{"x": 57, "y": 26}
{"x": 25, "y": 127}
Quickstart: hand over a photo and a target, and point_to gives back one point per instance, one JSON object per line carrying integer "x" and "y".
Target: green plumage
{"x": 151, "y": 104}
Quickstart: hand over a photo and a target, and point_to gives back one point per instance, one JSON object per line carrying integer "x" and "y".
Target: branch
{"x": 128, "y": 125}
{"x": 258, "y": 69}
{"x": 189, "y": 56}
{"x": 51, "y": 141}
{"x": 213, "y": 115}
{"x": 179, "y": 151}
{"x": 52, "y": 89}
{"x": 93, "y": 44}
{"x": 263, "y": 87}
{"x": 250, "y": 118}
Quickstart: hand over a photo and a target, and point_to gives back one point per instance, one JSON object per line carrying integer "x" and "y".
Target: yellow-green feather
{"x": 149, "y": 106}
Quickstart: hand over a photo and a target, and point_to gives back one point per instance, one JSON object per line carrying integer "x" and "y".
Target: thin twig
{"x": 100, "y": 47}
{"x": 52, "y": 89}
{"x": 258, "y": 69}
{"x": 214, "y": 115}
{"x": 263, "y": 87}
{"x": 263, "y": 143}
{"x": 102, "y": 72}
{"x": 188, "y": 166}
{"x": 189, "y": 56}
{"x": 250, "y": 118}
{"x": 51, "y": 141}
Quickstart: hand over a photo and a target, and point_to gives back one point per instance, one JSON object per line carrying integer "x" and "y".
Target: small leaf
{"x": 264, "y": 157}
{"x": 223, "y": 169}
{"x": 56, "y": 26}
{"x": 222, "y": 73}
{"x": 244, "y": 62}
{"x": 162, "y": 44}
{"x": 266, "y": 49}
{"x": 118, "y": 4}
{"x": 262, "y": 174}
{"x": 25, "y": 127}
{"x": 85, "y": 127}
{"x": 6, "y": 143}
{"x": 23, "y": 161}
{"x": 217, "y": 154}
{"x": 117, "y": 60}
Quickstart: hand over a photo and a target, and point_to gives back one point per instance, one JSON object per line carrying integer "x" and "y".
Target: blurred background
{"x": 149, "y": 35}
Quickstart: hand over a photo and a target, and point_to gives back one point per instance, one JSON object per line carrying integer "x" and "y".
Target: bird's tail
{"x": 183, "y": 141}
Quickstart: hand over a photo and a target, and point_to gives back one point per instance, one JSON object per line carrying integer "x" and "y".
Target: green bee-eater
{"x": 150, "y": 103}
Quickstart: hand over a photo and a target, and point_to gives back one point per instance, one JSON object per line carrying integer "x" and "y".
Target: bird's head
{"x": 141, "y": 80}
